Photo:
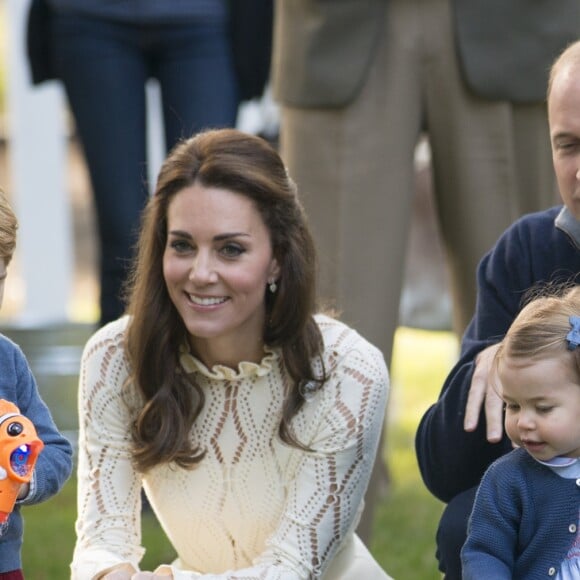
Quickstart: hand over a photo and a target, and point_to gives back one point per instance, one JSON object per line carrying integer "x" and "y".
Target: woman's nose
{"x": 202, "y": 269}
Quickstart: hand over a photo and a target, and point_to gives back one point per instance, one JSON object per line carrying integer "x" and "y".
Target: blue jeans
{"x": 104, "y": 67}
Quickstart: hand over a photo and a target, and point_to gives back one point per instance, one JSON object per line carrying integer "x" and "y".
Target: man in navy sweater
{"x": 462, "y": 433}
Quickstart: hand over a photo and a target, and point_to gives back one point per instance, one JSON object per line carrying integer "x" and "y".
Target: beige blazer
{"x": 323, "y": 48}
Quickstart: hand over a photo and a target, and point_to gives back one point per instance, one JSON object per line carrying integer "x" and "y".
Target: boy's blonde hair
{"x": 8, "y": 227}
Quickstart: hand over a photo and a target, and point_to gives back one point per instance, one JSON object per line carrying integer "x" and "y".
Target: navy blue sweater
{"x": 54, "y": 464}
{"x": 523, "y": 522}
{"x": 538, "y": 248}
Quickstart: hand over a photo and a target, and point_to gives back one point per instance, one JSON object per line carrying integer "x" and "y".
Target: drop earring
{"x": 273, "y": 286}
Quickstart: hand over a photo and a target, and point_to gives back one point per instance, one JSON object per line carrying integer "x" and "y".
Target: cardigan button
{"x": 551, "y": 571}
{"x": 578, "y": 482}
{"x": 572, "y": 528}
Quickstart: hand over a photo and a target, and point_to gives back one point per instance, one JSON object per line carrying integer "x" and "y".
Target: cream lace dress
{"x": 253, "y": 508}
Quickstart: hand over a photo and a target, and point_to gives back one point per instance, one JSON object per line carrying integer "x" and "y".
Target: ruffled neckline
{"x": 246, "y": 369}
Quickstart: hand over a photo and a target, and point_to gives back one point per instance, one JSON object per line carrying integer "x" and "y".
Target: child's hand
{"x": 24, "y": 489}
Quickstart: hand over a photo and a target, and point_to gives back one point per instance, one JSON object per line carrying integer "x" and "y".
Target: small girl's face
{"x": 542, "y": 399}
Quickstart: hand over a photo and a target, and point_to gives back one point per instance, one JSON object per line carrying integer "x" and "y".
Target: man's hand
{"x": 482, "y": 394}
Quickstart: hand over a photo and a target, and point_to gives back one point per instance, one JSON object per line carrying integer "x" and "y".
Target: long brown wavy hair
{"x": 247, "y": 165}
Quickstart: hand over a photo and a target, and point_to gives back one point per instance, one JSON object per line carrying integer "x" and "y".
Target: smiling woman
{"x": 251, "y": 421}
{"x": 217, "y": 263}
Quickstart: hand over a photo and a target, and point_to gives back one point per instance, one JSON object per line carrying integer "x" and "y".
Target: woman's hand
{"x": 123, "y": 572}
{"x": 127, "y": 572}
{"x": 118, "y": 575}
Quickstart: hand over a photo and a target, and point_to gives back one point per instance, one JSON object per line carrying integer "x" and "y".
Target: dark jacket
{"x": 538, "y": 248}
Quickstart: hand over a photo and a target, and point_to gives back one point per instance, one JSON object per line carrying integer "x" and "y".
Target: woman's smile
{"x": 206, "y": 301}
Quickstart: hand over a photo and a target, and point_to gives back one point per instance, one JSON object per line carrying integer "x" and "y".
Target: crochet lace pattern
{"x": 254, "y": 507}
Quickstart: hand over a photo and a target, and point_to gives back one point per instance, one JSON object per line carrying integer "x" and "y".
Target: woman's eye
{"x": 511, "y": 407}
{"x": 180, "y": 246}
{"x": 232, "y": 250}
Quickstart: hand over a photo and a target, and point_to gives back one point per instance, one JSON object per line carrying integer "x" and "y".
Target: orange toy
{"x": 19, "y": 449}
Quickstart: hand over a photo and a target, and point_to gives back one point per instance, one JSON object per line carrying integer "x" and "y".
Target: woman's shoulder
{"x": 341, "y": 342}
{"x": 108, "y": 338}
{"x": 341, "y": 337}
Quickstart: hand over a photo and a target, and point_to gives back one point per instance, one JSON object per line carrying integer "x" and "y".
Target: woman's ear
{"x": 274, "y": 270}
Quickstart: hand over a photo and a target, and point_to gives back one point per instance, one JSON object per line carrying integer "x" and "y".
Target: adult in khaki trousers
{"x": 360, "y": 80}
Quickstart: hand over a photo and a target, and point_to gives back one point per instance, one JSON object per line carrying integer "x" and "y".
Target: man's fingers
{"x": 479, "y": 390}
{"x": 494, "y": 416}
{"x": 475, "y": 400}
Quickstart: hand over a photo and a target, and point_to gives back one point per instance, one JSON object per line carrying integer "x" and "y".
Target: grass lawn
{"x": 406, "y": 519}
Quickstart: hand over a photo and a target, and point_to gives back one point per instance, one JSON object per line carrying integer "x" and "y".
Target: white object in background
{"x": 39, "y": 194}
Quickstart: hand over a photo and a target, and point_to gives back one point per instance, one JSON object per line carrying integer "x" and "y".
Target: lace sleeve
{"x": 108, "y": 525}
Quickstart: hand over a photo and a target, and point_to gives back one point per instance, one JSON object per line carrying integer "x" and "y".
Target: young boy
{"x": 17, "y": 385}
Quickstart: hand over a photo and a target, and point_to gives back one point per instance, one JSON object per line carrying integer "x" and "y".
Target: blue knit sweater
{"x": 539, "y": 247}
{"x": 523, "y": 522}
{"x": 54, "y": 463}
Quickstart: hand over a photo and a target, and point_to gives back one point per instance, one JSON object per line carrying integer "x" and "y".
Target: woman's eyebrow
{"x": 226, "y": 236}
{"x": 217, "y": 238}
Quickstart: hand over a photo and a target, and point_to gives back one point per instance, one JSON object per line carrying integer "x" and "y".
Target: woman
{"x": 251, "y": 423}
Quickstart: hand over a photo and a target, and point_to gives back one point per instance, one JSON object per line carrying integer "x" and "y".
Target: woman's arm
{"x": 108, "y": 526}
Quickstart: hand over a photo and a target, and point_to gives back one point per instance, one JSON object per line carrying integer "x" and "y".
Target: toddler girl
{"x": 525, "y": 519}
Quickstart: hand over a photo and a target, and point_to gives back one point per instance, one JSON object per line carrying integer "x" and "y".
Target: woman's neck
{"x": 216, "y": 352}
